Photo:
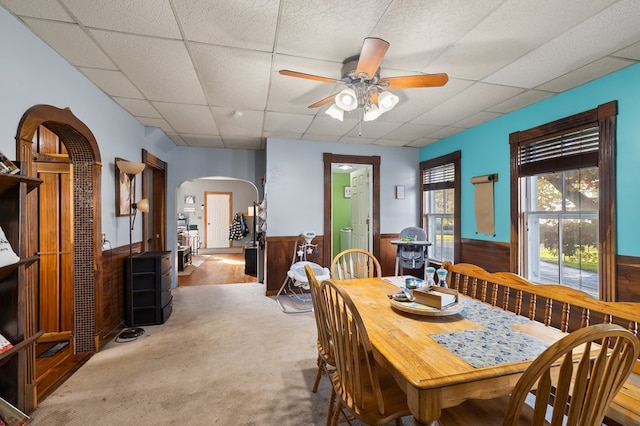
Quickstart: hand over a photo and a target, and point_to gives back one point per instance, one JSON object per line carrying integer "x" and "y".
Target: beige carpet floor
{"x": 226, "y": 356}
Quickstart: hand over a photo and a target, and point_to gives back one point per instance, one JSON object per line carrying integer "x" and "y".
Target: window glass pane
{"x": 439, "y": 205}
{"x": 543, "y": 250}
{"x": 580, "y": 254}
{"x": 449, "y": 203}
{"x": 582, "y": 189}
{"x": 548, "y": 190}
{"x": 562, "y": 229}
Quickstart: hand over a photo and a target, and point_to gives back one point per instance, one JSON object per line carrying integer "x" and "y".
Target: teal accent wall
{"x": 341, "y": 208}
{"x": 485, "y": 149}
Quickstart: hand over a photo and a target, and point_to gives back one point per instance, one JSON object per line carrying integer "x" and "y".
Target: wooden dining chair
{"x": 367, "y": 390}
{"x": 355, "y": 263}
{"x": 326, "y": 360}
{"x": 570, "y": 387}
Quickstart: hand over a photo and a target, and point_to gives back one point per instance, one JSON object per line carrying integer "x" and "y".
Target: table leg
{"x": 425, "y": 406}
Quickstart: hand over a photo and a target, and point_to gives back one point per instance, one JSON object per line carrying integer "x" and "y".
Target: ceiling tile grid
{"x": 206, "y": 71}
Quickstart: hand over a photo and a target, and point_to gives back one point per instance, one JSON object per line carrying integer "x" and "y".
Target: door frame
{"x": 157, "y": 171}
{"x": 374, "y": 162}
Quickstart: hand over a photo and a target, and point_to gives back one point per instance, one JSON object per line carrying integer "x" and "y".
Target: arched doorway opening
{"x": 80, "y": 252}
{"x": 206, "y": 207}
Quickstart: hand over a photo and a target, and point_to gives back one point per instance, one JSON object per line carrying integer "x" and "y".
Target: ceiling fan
{"x": 365, "y": 88}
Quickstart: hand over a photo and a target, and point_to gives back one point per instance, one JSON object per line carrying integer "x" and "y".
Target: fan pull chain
{"x": 360, "y": 122}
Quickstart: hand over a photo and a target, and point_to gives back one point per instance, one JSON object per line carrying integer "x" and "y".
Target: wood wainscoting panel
{"x": 279, "y": 256}
{"x": 387, "y": 255}
{"x": 489, "y": 255}
{"x": 628, "y": 273}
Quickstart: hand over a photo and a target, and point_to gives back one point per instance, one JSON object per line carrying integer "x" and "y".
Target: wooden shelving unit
{"x": 17, "y": 381}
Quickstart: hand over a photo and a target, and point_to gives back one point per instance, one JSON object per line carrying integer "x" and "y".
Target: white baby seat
{"x": 298, "y": 300}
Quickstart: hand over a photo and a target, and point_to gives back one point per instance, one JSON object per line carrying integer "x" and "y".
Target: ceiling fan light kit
{"x": 335, "y": 112}
{"x": 365, "y": 88}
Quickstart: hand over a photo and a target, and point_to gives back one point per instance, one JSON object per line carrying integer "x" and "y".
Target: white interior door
{"x": 218, "y": 214}
{"x": 360, "y": 209}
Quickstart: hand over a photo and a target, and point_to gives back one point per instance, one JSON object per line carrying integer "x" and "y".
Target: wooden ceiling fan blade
{"x": 408, "y": 81}
{"x": 323, "y": 101}
{"x": 308, "y": 76}
{"x": 373, "y": 50}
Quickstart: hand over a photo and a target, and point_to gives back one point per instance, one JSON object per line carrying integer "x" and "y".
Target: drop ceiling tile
{"x": 231, "y": 76}
{"x": 160, "y": 68}
{"x": 202, "y": 140}
{"x": 243, "y": 143}
{"x": 333, "y": 30}
{"x": 247, "y": 124}
{"x": 476, "y": 98}
{"x": 245, "y": 24}
{"x": 422, "y": 142}
{"x": 176, "y": 138}
{"x": 519, "y": 101}
{"x": 609, "y": 31}
{"x": 138, "y": 107}
{"x": 321, "y": 137}
{"x": 282, "y": 134}
{"x": 631, "y": 52}
{"x": 418, "y": 31}
{"x": 325, "y": 125}
{"x": 113, "y": 83}
{"x": 156, "y": 122}
{"x": 45, "y": 9}
{"x": 288, "y": 123}
{"x": 391, "y": 142}
{"x": 410, "y": 132}
{"x": 586, "y": 74}
{"x": 192, "y": 119}
{"x": 445, "y": 132}
{"x": 362, "y": 140}
{"x": 537, "y": 23}
{"x": 71, "y": 42}
{"x": 371, "y": 129}
{"x": 476, "y": 119}
{"x": 148, "y": 17}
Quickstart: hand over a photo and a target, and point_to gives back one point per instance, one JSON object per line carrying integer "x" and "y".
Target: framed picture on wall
{"x": 347, "y": 192}
{"x": 124, "y": 192}
{"x": 189, "y": 199}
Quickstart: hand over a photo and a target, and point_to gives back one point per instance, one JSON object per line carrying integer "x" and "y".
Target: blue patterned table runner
{"x": 497, "y": 343}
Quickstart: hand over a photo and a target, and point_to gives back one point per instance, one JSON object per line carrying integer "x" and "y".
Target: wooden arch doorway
{"x": 65, "y": 214}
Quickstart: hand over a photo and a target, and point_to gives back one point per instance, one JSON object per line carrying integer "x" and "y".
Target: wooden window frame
{"x": 604, "y": 117}
{"x": 452, "y": 158}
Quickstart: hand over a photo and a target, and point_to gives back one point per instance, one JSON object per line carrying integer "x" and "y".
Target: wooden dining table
{"x": 440, "y": 361}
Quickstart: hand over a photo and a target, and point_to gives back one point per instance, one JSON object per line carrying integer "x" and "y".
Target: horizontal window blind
{"x": 565, "y": 152}
{"x": 439, "y": 177}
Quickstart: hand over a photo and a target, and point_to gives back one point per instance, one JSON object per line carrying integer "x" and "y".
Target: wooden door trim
{"x": 374, "y": 161}
{"x": 158, "y": 198}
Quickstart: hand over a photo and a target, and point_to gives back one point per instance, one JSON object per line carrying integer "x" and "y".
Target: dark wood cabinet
{"x": 150, "y": 277}
{"x": 17, "y": 381}
{"x": 250, "y": 260}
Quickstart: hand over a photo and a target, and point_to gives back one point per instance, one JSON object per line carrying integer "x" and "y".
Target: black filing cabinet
{"x": 152, "y": 300}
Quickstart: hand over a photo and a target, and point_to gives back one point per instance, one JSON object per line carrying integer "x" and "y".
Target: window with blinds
{"x": 441, "y": 206}
{"x": 563, "y": 201}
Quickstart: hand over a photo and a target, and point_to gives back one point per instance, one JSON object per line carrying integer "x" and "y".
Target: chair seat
{"x": 483, "y": 412}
